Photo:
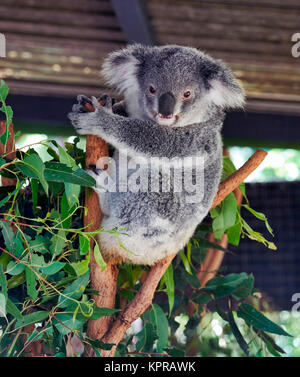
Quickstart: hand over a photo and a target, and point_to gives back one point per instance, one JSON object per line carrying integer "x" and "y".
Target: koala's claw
{"x": 93, "y": 170}
{"x": 80, "y": 106}
{"x": 107, "y": 100}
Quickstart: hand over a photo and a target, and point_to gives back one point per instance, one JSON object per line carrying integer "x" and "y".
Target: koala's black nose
{"x": 166, "y": 104}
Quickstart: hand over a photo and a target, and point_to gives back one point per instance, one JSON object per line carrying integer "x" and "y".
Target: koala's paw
{"x": 82, "y": 115}
{"x": 88, "y": 114}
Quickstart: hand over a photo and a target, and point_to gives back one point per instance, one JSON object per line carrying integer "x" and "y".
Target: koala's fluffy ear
{"x": 120, "y": 67}
{"x": 223, "y": 88}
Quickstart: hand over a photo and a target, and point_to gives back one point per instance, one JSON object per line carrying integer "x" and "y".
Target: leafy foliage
{"x": 44, "y": 266}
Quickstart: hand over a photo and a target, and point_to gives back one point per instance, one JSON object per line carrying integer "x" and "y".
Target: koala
{"x": 175, "y": 98}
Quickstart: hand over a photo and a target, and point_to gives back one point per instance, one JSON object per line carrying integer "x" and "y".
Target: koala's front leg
{"x": 138, "y": 135}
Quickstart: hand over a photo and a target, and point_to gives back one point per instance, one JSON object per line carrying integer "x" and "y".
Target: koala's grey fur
{"x": 160, "y": 223}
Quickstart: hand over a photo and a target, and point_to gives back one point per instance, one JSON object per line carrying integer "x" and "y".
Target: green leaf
{"x": 58, "y": 243}
{"x": 169, "y": 280}
{"x": 273, "y": 348}
{"x": 52, "y": 268}
{"x": 15, "y": 281}
{"x": 4, "y": 260}
{"x": 8, "y": 113}
{"x": 84, "y": 245}
{"x": 13, "y": 310}
{"x": 3, "y": 91}
{"x": 222, "y": 286}
{"x": 256, "y": 319}
{"x": 74, "y": 291}
{"x": 72, "y": 193}
{"x": 35, "y": 192}
{"x": 65, "y": 211}
{"x": 65, "y": 323}
{"x": 159, "y": 320}
{"x": 58, "y": 172}
{"x": 175, "y": 352}
{"x": 201, "y": 297}
{"x": 65, "y": 158}
{"x": 237, "y": 334}
{"x": 234, "y": 233}
{"x": 32, "y": 318}
{"x": 8, "y": 236}
{"x": 98, "y": 257}
{"x": 260, "y": 216}
{"x": 244, "y": 289}
{"x": 250, "y": 233}
{"x": 185, "y": 262}
{"x": 102, "y": 312}
{"x": 40, "y": 244}
{"x": 228, "y": 165}
{"x": 224, "y": 215}
{"x": 71, "y": 190}
{"x": 31, "y": 283}
{"x": 3, "y": 282}
{"x": 15, "y": 267}
{"x": 99, "y": 344}
{"x": 2, "y": 305}
{"x": 32, "y": 166}
{"x": 146, "y": 338}
{"x": 82, "y": 266}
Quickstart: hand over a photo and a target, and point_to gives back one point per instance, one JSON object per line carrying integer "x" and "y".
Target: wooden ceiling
{"x": 56, "y": 49}
{"x": 253, "y": 36}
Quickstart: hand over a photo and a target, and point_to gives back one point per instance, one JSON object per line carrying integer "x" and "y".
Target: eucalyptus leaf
{"x": 35, "y": 317}
{"x": 256, "y": 319}
{"x": 74, "y": 291}
{"x": 13, "y": 310}
{"x": 169, "y": 280}
{"x": 160, "y": 322}
{"x": 31, "y": 283}
{"x": 237, "y": 334}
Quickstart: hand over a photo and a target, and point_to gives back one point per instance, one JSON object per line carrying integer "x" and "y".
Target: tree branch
{"x": 105, "y": 282}
{"x": 238, "y": 177}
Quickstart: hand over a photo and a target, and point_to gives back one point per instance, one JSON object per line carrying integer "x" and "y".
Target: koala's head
{"x": 172, "y": 85}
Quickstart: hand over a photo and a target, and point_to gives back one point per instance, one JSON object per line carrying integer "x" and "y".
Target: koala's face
{"x": 172, "y": 90}
{"x": 172, "y": 85}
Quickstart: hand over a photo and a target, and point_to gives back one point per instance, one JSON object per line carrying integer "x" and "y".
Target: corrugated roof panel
{"x": 57, "y": 50}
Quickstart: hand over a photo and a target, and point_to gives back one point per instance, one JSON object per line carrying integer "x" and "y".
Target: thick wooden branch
{"x": 10, "y": 150}
{"x": 105, "y": 282}
{"x": 135, "y": 308}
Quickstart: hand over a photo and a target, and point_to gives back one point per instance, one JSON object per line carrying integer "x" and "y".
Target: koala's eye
{"x": 152, "y": 90}
{"x": 187, "y": 94}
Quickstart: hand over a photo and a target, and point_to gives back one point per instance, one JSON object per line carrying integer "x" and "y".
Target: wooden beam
{"x": 134, "y": 21}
